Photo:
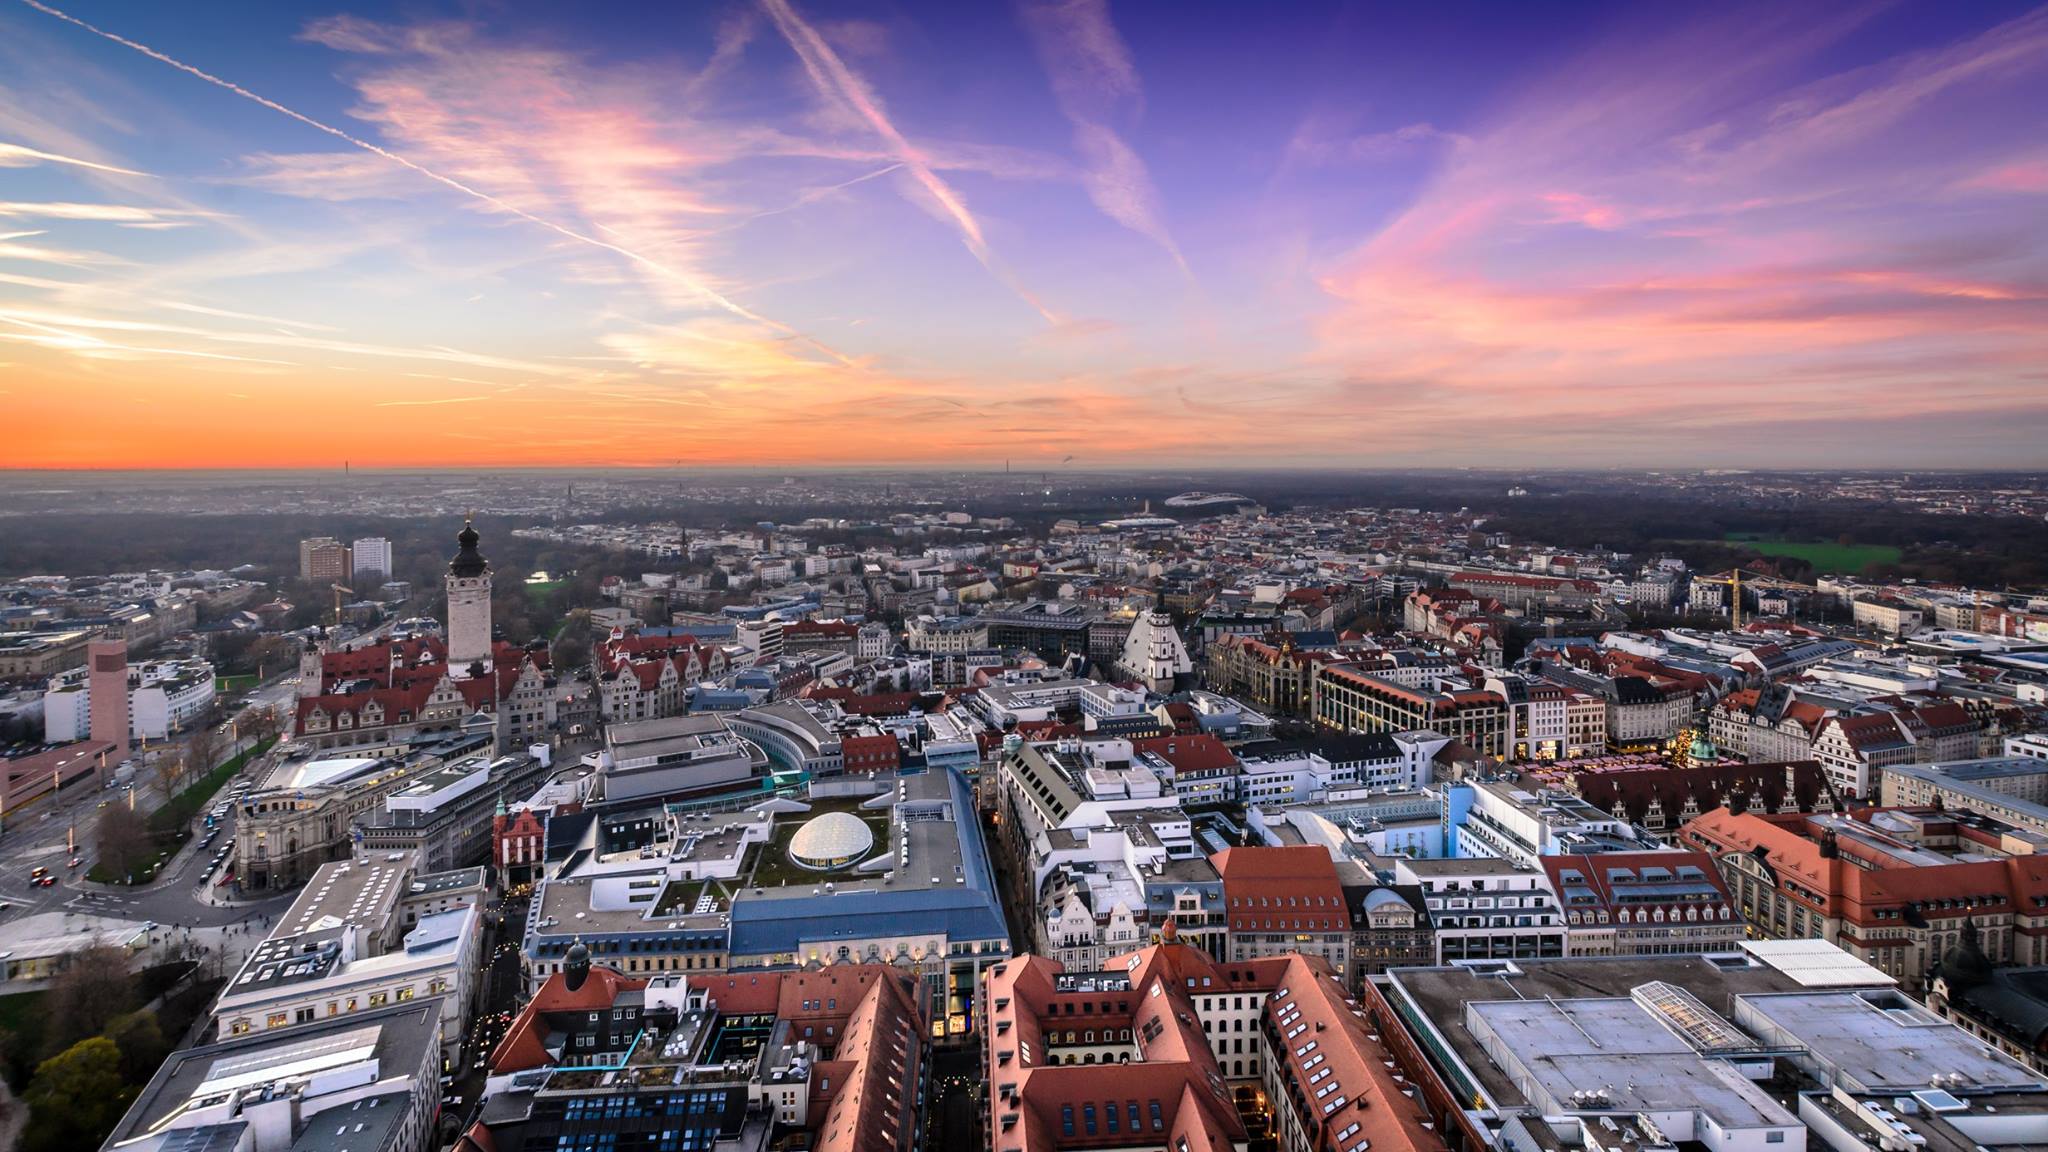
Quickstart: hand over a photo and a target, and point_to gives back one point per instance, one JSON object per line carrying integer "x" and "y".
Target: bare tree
{"x": 122, "y": 837}
{"x": 266, "y": 723}
{"x": 94, "y": 986}
{"x": 203, "y": 748}
{"x": 171, "y": 769}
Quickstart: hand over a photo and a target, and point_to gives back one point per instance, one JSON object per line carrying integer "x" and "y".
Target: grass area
{"x": 1824, "y": 556}
{"x": 223, "y": 685}
{"x": 772, "y": 866}
{"x": 171, "y": 824}
{"x": 540, "y": 591}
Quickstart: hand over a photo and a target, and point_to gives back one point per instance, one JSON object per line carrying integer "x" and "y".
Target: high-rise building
{"x": 323, "y": 559}
{"x": 108, "y": 689}
{"x": 370, "y": 554}
{"x": 469, "y": 605}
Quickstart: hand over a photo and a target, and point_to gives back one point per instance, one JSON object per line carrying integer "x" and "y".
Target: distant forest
{"x": 1585, "y": 512}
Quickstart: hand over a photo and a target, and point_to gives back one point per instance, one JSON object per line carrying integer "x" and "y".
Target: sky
{"x": 1061, "y": 233}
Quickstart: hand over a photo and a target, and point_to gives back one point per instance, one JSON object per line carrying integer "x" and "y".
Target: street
{"x": 37, "y": 836}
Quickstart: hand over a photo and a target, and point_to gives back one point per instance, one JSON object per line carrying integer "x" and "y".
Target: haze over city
{"x": 1075, "y": 234}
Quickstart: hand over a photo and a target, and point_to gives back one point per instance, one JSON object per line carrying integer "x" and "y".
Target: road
{"x": 38, "y": 836}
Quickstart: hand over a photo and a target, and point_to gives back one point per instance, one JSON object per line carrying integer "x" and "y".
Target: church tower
{"x": 469, "y": 605}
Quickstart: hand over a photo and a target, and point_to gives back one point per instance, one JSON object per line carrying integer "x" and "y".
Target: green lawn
{"x": 171, "y": 824}
{"x": 1824, "y": 556}
{"x": 540, "y": 591}
{"x": 224, "y": 685}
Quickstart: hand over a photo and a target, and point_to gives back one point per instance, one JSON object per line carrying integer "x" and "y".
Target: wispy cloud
{"x": 1092, "y": 78}
{"x": 838, "y": 83}
{"x": 22, "y": 156}
{"x": 129, "y": 214}
{"x": 694, "y": 283}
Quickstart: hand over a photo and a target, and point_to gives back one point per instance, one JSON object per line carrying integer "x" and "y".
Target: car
{"x": 76, "y": 861}
{"x": 46, "y": 882}
{"x": 38, "y": 872}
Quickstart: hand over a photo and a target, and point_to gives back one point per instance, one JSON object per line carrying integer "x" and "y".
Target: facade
{"x": 1892, "y": 887}
{"x": 356, "y": 941}
{"x": 1282, "y": 901}
{"x": 469, "y": 604}
{"x": 164, "y": 697}
{"x": 323, "y": 560}
{"x": 1487, "y": 909}
{"x": 370, "y": 557}
{"x": 1644, "y": 904}
{"x": 1852, "y": 748}
{"x": 1350, "y": 700}
{"x": 1153, "y": 654}
{"x": 107, "y": 688}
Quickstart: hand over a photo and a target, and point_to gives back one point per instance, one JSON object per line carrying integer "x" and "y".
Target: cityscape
{"x": 1055, "y": 576}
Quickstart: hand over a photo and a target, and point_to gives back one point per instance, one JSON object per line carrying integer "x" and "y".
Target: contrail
{"x": 692, "y": 282}
{"x": 835, "y": 80}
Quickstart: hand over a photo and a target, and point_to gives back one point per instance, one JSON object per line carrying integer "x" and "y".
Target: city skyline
{"x": 1073, "y": 234}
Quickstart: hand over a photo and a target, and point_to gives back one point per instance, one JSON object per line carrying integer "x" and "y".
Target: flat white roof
{"x": 1816, "y": 964}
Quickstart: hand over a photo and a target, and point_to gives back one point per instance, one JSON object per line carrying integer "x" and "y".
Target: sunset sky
{"x": 1090, "y": 233}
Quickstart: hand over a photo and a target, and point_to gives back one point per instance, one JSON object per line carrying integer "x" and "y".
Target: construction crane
{"x": 1734, "y": 579}
{"x": 338, "y": 590}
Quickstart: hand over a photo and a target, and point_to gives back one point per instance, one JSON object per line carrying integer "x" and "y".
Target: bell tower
{"x": 469, "y": 605}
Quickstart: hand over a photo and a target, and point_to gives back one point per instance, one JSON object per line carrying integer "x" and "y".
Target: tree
{"x": 141, "y": 1041}
{"x": 93, "y": 988}
{"x": 76, "y": 1098}
{"x": 122, "y": 837}
{"x": 265, "y": 723}
{"x": 171, "y": 768}
{"x": 203, "y": 747}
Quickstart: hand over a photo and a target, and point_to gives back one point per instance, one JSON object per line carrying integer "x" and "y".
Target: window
{"x": 379, "y": 999}
{"x": 1067, "y": 1120}
{"x": 1777, "y": 1137}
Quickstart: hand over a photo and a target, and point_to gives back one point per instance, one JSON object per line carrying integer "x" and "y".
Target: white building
{"x": 371, "y": 554}
{"x": 164, "y": 697}
{"x": 1153, "y": 653}
{"x": 1487, "y": 909}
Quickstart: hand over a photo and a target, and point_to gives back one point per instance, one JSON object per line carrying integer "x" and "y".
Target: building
{"x": 1207, "y": 1055}
{"x": 1852, "y": 747}
{"x": 2012, "y": 790}
{"x": 834, "y": 1059}
{"x": 785, "y": 882}
{"x": 323, "y": 560}
{"x": 366, "y": 1082}
{"x": 685, "y": 757}
{"x": 469, "y": 605}
{"x": 1794, "y": 1046}
{"x": 164, "y": 697}
{"x": 1891, "y": 617}
{"x": 1506, "y": 820}
{"x": 1153, "y": 654}
{"x": 1284, "y": 900}
{"x": 107, "y": 691}
{"x": 1892, "y": 887}
{"x": 1644, "y": 904}
{"x": 366, "y": 934}
{"x": 1486, "y": 909}
{"x": 300, "y": 814}
{"x": 37, "y": 656}
{"x": 370, "y": 560}
{"x": 442, "y": 817}
{"x": 1348, "y": 699}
